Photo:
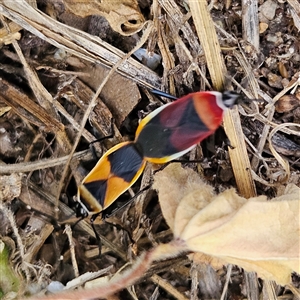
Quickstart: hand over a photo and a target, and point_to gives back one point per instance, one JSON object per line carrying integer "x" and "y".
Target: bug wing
{"x": 116, "y": 171}
{"x": 172, "y": 130}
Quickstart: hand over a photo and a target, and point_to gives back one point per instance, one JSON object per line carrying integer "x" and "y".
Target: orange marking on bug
{"x": 116, "y": 186}
{"x": 208, "y": 110}
{"x": 102, "y": 169}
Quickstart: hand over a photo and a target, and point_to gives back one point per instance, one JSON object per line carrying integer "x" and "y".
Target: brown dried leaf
{"x": 120, "y": 94}
{"x": 123, "y": 16}
{"x": 202, "y": 258}
{"x": 256, "y": 234}
{"x": 184, "y": 181}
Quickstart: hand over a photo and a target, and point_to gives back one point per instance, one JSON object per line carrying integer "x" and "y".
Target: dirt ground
{"x": 70, "y": 74}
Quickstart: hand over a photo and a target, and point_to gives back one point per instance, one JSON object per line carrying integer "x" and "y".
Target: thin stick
{"x": 68, "y": 232}
{"x": 225, "y": 289}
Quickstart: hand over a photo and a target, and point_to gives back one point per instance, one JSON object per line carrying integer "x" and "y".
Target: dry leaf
{"x": 120, "y": 94}
{"x": 256, "y": 234}
{"x": 123, "y": 16}
{"x": 184, "y": 181}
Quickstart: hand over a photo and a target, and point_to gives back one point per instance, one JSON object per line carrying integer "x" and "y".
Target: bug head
{"x": 230, "y": 98}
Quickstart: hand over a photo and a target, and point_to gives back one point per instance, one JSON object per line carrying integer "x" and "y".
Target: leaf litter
{"x": 53, "y": 61}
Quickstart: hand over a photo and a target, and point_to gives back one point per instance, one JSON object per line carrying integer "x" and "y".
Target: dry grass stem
{"x": 250, "y": 23}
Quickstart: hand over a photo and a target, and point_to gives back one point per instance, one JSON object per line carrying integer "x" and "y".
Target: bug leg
{"x": 82, "y": 217}
{"x": 92, "y": 219}
{"x": 119, "y": 227}
{"x": 111, "y": 135}
{"x": 184, "y": 161}
{"x": 228, "y": 143}
{"x": 98, "y": 238}
{"x": 107, "y": 214}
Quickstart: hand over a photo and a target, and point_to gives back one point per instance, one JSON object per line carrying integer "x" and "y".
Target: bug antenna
{"x": 163, "y": 94}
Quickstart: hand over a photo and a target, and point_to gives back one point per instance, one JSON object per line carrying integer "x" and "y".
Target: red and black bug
{"x": 165, "y": 134}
